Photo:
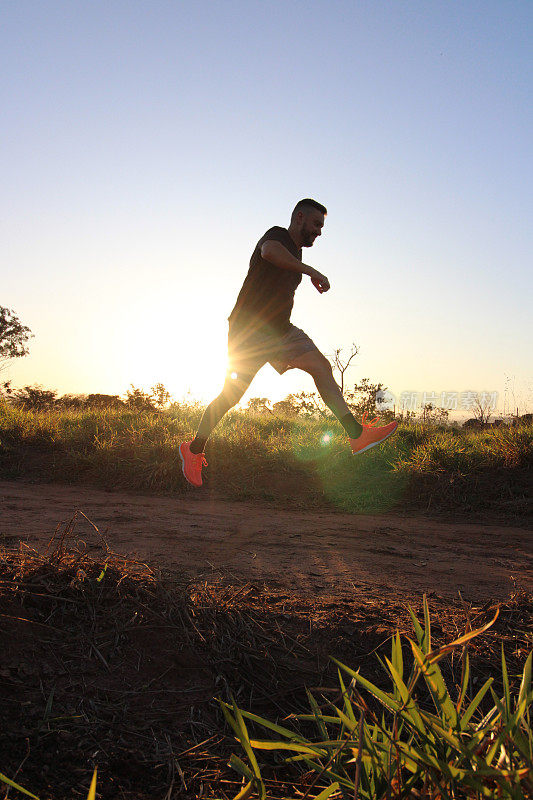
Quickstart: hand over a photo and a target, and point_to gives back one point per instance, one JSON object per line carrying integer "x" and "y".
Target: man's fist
{"x": 320, "y": 282}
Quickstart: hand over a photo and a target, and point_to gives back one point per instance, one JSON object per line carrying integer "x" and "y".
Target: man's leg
{"x": 362, "y": 436}
{"x": 231, "y": 393}
{"x": 192, "y": 453}
{"x": 320, "y": 370}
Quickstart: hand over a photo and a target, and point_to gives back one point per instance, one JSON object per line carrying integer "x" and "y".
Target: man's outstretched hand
{"x": 320, "y": 282}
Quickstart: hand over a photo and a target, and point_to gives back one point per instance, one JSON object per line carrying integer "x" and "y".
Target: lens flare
{"x": 362, "y": 484}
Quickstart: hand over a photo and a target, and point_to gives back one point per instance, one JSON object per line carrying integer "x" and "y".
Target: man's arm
{"x": 278, "y": 255}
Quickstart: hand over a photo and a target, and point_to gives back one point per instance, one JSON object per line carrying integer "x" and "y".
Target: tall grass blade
{"x": 239, "y": 727}
{"x": 465, "y": 675}
{"x": 347, "y": 704}
{"x": 317, "y": 715}
{"x": 92, "y": 787}
{"x": 506, "y": 690}
{"x": 397, "y": 655}
{"x": 438, "y": 654}
{"x": 426, "y": 644}
{"x": 268, "y": 744}
{"x": 465, "y": 719}
{"x": 240, "y": 767}
{"x": 419, "y": 631}
{"x": 386, "y": 699}
{"x": 328, "y": 792}
{"x": 436, "y": 686}
{"x": 411, "y": 710}
{"x": 266, "y": 723}
{"x": 14, "y": 785}
{"x": 245, "y": 739}
{"x": 525, "y": 684}
{"x": 245, "y": 792}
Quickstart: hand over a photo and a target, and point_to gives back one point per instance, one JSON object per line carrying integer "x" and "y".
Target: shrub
{"x": 376, "y": 744}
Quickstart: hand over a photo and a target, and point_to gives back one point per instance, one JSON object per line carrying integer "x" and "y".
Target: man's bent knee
{"x": 314, "y": 363}
{"x": 320, "y": 369}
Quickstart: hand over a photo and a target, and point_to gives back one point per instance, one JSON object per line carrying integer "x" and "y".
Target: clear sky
{"x": 146, "y": 146}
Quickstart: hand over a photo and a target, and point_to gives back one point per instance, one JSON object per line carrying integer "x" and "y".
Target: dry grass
{"x": 107, "y": 661}
{"x": 421, "y": 468}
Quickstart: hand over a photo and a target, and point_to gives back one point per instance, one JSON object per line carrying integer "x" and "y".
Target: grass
{"x": 371, "y": 743}
{"x": 108, "y": 663}
{"x": 264, "y": 457}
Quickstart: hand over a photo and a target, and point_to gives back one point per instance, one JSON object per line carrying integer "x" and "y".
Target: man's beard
{"x": 307, "y": 238}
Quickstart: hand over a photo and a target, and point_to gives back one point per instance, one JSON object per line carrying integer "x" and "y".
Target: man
{"x": 260, "y": 330}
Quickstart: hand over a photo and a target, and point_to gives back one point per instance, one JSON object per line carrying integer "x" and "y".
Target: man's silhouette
{"x": 260, "y": 331}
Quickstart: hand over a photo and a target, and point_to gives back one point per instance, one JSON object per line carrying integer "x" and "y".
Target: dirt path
{"x": 309, "y": 552}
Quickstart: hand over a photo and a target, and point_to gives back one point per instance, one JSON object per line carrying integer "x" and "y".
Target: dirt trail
{"x": 307, "y": 552}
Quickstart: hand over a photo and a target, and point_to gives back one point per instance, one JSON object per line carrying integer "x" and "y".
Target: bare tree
{"x": 434, "y": 414}
{"x": 481, "y": 410}
{"x": 341, "y": 364}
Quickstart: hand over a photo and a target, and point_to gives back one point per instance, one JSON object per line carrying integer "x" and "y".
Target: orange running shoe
{"x": 371, "y": 435}
{"x": 192, "y": 464}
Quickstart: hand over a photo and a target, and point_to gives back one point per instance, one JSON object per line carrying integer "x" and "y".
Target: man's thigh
{"x": 313, "y": 362}
{"x": 296, "y": 350}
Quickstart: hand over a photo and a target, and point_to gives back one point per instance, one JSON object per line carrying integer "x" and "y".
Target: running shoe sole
{"x": 197, "y": 486}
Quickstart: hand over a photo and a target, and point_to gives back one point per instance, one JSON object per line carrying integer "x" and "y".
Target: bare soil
{"x": 308, "y": 552}
{"x": 120, "y": 670}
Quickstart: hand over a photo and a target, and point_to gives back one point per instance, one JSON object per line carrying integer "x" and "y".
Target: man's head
{"x": 307, "y": 220}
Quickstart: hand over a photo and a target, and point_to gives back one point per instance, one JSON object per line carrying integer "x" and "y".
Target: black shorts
{"x": 247, "y": 353}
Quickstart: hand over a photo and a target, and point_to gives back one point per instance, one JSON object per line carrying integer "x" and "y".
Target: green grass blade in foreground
{"x": 441, "y": 652}
{"x": 504, "y": 734}
{"x": 239, "y": 766}
{"x": 409, "y": 704}
{"x": 245, "y": 792}
{"x": 14, "y": 785}
{"x": 506, "y": 689}
{"x": 245, "y": 739}
{"x": 328, "y": 792}
{"x": 465, "y": 719}
{"x": 405, "y": 748}
{"x": 308, "y": 749}
{"x": 437, "y": 687}
{"x": 419, "y": 630}
{"x": 397, "y": 655}
{"x": 318, "y": 716}
{"x": 237, "y": 723}
{"x": 386, "y": 699}
{"x": 525, "y": 685}
{"x": 345, "y": 720}
{"x": 426, "y": 644}
{"x": 346, "y": 697}
{"x": 511, "y": 731}
{"x": 465, "y": 674}
{"x": 292, "y": 735}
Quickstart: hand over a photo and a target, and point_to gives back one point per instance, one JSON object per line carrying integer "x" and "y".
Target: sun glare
{"x": 189, "y": 358}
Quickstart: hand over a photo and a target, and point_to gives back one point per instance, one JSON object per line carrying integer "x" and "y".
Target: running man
{"x": 260, "y": 331}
